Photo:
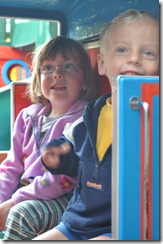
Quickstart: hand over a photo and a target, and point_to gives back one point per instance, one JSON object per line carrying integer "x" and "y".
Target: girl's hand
{"x": 51, "y": 155}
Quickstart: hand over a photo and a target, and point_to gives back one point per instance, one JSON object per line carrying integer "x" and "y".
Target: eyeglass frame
{"x": 60, "y": 66}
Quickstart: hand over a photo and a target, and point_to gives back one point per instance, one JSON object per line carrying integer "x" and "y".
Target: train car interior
{"x": 82, "y": 21}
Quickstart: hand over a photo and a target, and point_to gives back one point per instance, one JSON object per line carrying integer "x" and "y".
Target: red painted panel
{"x": 148, "y": 91}
{"x": 103, "y": 82}
{"x": 20, "y": 100}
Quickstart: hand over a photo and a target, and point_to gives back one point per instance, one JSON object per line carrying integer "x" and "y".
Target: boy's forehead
{"x": 122, "y": 30}
{"x": 146, "y": 30}
{"x": 145, "y": 22}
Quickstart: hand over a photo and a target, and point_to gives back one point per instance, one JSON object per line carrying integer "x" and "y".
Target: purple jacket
{"x": 23, "y": 163}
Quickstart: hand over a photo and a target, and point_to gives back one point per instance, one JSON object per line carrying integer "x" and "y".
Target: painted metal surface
{"x": 79, "y": 19}
{"x": 5, "y": 117}
{"x": 135, "y": 176}
{"x": 12, "y": 100}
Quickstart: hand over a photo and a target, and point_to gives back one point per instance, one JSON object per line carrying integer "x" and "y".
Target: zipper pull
{"x": 95, "y": 173}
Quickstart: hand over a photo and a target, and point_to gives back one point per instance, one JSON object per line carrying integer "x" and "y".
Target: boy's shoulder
{"x": 99, "y": 100}
{"x": 103, "y": 98}
{"x": 69, "y": 127}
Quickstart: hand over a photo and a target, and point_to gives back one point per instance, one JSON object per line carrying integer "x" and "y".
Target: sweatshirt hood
{"x": 37, "y": 110}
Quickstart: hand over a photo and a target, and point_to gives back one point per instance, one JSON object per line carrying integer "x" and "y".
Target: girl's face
{"x": 131, "y": 49}
{"x": 62, "y": 85}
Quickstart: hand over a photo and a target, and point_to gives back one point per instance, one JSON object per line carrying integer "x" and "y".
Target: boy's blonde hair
{"x": 67, "y": 48}
{"x": 126, "y": 17}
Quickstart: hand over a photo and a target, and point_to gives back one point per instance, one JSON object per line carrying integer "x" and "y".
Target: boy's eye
{"x": 121, "y": 50}
{"x": 148, "y": 53}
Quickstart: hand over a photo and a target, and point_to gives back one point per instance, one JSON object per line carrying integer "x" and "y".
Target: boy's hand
{"x": 51, "y": 155}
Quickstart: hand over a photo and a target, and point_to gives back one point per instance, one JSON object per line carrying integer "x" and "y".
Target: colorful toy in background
{"x": 14, "y": 65}
{"x": 17, "y": 38}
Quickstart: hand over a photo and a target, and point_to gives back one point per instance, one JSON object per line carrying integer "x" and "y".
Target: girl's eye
{"x": 48, "y": 67}
{"x": 69, "y": 67}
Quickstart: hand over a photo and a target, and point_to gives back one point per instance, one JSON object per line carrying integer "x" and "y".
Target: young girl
{"x": 61, "y": 85}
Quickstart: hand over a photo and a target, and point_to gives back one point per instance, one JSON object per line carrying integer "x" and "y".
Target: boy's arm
{"x": 58, "y": 157}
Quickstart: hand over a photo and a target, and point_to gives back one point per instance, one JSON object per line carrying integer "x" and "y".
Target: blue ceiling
{"x": 80, "y": 19}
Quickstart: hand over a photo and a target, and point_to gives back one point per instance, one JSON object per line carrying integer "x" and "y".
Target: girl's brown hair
{"x": 68, "y": 48}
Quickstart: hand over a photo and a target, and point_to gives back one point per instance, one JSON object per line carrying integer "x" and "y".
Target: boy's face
{"x": 131, "y": 49}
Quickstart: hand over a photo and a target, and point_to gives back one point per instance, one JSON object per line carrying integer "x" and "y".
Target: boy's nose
{"x": 133, "y": 58}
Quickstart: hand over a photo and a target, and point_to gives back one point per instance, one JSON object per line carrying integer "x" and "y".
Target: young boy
{"x": 129, "y": 46}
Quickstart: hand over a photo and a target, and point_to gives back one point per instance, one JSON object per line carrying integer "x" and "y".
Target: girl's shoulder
{"x": 35, "y": 110}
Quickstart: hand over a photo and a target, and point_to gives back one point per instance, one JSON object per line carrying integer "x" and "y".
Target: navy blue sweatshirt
{"x": 89, "y": 210}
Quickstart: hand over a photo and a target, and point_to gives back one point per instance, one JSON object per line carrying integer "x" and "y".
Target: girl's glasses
{"x": 63, "y": 68}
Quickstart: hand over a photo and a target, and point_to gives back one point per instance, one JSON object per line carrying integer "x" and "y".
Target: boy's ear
{"x": 101, "y": 66}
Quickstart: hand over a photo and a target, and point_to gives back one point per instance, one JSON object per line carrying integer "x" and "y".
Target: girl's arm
{"x": 12, "y": 167}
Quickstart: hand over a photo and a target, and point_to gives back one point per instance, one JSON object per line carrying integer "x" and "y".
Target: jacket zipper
{"x": 96, "y": 169}
{"x": 98, "y": 164}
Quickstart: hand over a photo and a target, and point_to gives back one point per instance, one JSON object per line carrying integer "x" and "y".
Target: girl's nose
{"x": 60, "y": 76}
{"x": 57, "y": 74}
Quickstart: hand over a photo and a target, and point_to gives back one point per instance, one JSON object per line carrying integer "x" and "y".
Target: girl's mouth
{"x": 58, "y": 88}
